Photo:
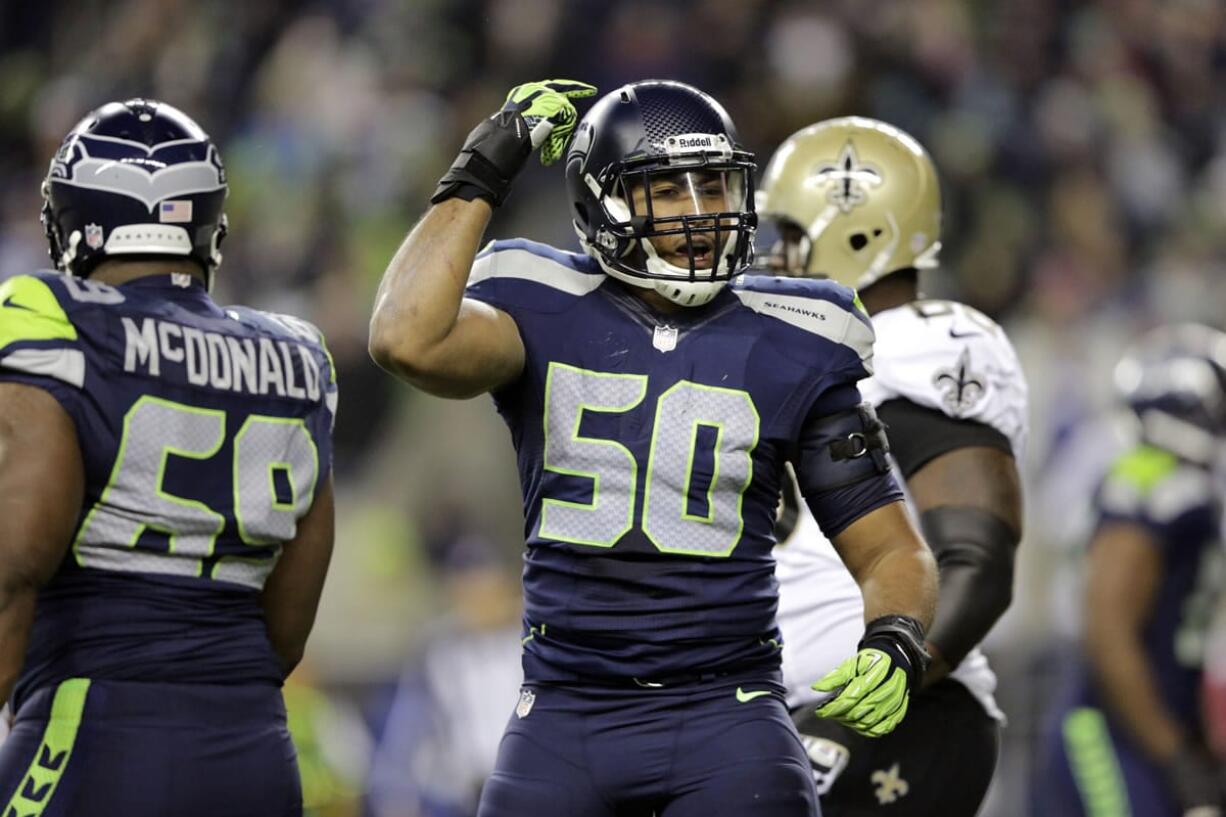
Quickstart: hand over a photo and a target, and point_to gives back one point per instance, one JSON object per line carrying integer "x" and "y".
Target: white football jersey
{"x": 937, "y": 354}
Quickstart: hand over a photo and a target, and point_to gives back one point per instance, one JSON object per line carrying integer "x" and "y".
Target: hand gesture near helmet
{"x": 423, "y": 329}
{"x": 535, "y": 115}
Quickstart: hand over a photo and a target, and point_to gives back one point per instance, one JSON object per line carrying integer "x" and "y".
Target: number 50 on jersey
{"x": 685, "y": 509}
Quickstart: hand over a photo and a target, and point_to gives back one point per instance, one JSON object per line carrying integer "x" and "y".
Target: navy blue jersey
{"x": 1177, "y": 504}
{"x": 204, "y": 433}
{"x": 650, "y": 451}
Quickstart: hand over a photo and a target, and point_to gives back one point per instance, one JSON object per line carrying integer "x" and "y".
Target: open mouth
{"x": 700, "y": 248}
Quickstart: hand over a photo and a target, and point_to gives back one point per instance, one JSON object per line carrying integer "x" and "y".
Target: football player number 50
{"x": 684, "y": 510}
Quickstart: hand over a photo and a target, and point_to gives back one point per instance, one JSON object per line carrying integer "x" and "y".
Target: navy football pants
{"x": 1088, "y": 768}
{"x": 107, "y": 748}
{"x": 689, "y": 751}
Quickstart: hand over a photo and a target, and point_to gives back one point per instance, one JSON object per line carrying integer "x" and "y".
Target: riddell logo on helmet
{"x": 697, "y": 143}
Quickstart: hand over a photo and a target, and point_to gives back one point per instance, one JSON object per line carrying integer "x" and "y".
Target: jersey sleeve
{"x": 520, "y": 276}
{"x": 326, "y": 421}
{"x": 816, "y": 327}
{"x": 321, "y": 419}
{"x": 919, "y": 435}
{"x": 39, "y": 344}
{"x": 950, "y": 358}
{"x": 1154, "y": 489}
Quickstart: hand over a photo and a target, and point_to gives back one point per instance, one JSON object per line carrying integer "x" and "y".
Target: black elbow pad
{"x": 974, "y": 550}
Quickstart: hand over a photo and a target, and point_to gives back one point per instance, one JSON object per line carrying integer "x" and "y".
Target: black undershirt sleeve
{"x": 974, "y": 548}
{"x": 919, "y": 435}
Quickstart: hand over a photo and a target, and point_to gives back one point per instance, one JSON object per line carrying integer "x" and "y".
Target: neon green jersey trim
{"x": 1144, "y": 467}
{"x": 1095, "y": 765}
{"x": 29, "y": 311}
{"x": 858, "y": 304}
{"x": 38, "y": 786}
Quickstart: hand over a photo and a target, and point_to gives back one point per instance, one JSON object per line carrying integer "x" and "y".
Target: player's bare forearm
{"x": 422, "y": 329}
{"x": 41, "y": 487}
{"x": 969, "y": 502}
{"x": 1123, "y": 577}
{"x": 1121, "y": 668}
{"x": 291, "y": 595}
{"x": 894, "y": 568}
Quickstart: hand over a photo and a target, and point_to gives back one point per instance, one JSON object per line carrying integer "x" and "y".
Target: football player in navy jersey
{"x": 653, "y": 398}
{"x": 165, "y": 494}
{"x": 1130, "y": 735}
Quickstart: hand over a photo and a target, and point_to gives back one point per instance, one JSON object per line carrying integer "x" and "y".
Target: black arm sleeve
{"x": 841, "y": 467}
{"x": 974, "y": 550}
{"x": 919, "y": 435}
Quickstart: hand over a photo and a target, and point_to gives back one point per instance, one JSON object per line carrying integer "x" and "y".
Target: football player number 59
{"x": 275, "y": 465}
{"x": 684, "y": 510}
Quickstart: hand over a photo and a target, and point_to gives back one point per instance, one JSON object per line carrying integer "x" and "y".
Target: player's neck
{"x": 889, "y": 292}
{"x": 116, "y": 272}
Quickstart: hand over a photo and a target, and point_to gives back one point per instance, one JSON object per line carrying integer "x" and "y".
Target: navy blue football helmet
{"x": 1174, "y": 380}
{"x": 134, "y": 178}
{"x": 661, "y": 160}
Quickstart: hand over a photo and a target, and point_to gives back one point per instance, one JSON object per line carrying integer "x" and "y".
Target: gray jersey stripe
{"x": 67, "y": 365}
{"x": 823, "y": 318}
{"x": 532, "y": 267}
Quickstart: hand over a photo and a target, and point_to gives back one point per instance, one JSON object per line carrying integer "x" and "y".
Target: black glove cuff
{"x": 902, "y": 638}
{"x": 493, "y": 154}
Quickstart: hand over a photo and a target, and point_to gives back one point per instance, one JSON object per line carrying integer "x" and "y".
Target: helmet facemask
{"x": 681, "y": 225}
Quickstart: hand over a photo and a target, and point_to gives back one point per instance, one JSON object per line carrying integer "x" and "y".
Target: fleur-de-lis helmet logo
{"x": 847, "y": 178}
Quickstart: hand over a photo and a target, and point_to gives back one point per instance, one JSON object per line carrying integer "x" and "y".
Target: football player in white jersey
{"x": 858, "y": 201}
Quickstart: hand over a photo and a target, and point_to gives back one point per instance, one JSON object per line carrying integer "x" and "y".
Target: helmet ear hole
{"x": 858, "y": 241}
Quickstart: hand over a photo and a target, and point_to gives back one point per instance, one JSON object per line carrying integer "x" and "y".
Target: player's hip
{"x": 86, "y": 747}
{"x": 650, "y": 746}
{"x": 135, "y": 702}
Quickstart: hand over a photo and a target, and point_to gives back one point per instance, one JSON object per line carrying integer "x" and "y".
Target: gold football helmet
{"x": 852, "y": 199}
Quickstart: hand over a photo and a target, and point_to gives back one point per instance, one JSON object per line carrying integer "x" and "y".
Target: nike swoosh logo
{"x": 957, "y": 335}
{"x": 9, "y": 303}
{"x": 745, "y": 697}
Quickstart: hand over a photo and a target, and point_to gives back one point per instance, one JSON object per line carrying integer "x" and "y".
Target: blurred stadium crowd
{"x": 1083, "y": 150}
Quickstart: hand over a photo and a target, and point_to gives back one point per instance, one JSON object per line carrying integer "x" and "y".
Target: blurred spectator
{"x": 450, "y": 707}
{"x": 334, "y": 747}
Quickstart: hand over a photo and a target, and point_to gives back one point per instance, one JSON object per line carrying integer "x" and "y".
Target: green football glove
{"x": 871, "y": 689}
{"x": 549, "y": 113}
{"x": 535, "y": 115}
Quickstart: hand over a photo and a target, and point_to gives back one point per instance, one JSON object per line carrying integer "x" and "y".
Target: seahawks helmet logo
{"x": 847, "y": 178}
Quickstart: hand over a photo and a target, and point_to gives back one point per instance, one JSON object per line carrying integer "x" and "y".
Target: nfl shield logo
{"x": 93, "y": 236}
{"x": 665, "y": 338}
{"x": 526, "y": 699}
